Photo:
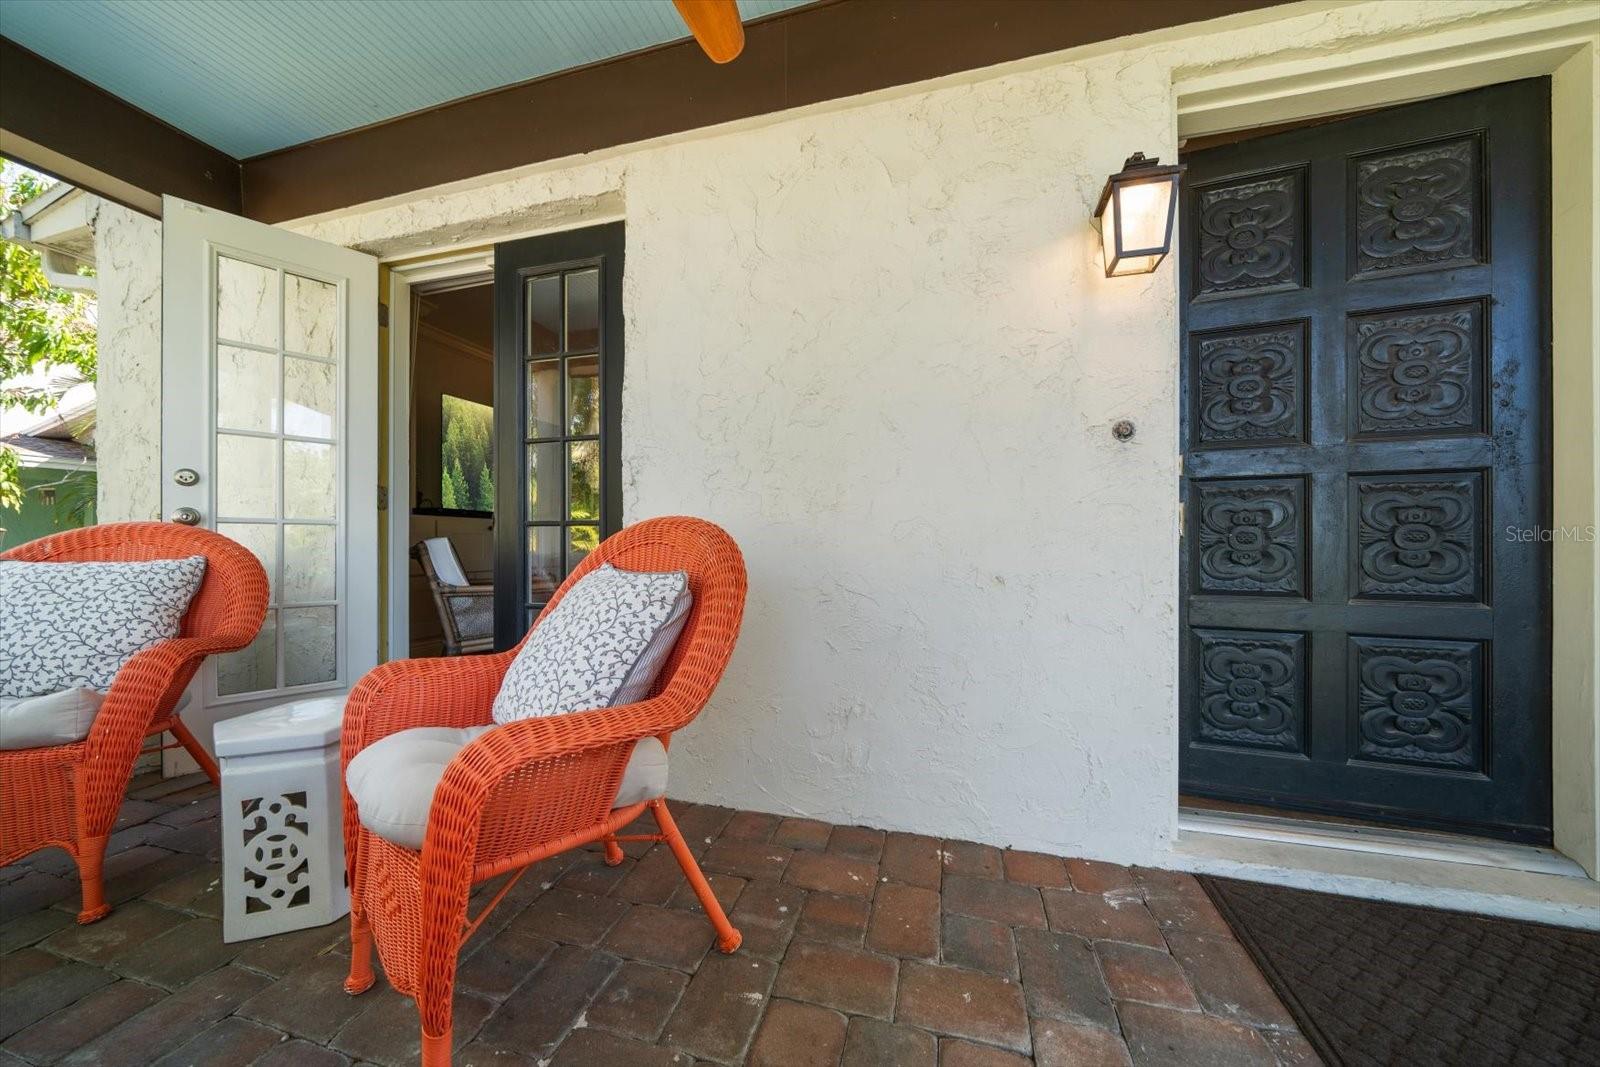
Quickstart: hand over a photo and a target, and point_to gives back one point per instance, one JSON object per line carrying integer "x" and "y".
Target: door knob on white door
{"x": 186, "y": 516}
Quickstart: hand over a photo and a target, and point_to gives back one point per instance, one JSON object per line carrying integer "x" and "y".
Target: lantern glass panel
{"x": 1142, "y": 212}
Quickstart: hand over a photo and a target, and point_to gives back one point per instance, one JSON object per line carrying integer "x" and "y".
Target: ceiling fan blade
{"x": 715, "y": 24}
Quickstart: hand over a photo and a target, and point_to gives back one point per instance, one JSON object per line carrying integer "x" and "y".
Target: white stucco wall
{"x": 127, "y": 251}
{"x": 874, "y": 342}
{"x": 872, "y": 339}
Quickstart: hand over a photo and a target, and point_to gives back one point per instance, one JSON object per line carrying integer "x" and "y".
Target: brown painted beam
{"x": 89, "y": 137}
{"x": 819, "y": 52}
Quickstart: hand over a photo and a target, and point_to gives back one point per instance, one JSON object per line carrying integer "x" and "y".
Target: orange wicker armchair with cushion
{"x": 516, "y": 793}
{"x": 68, "y": 795}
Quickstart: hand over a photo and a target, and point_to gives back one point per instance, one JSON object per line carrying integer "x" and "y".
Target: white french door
{"x": 269, "y": 436}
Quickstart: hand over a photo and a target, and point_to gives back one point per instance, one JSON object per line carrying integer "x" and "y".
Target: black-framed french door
{"x": 558, "y": 413}
{"x": 1366, "y": 397}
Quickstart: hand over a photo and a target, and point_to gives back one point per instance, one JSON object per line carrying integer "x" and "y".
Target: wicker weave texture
{"x": 528, "y": 789}
{"x": 68, "y": 795}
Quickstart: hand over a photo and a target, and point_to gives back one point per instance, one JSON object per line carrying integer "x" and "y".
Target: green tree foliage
{"x": 485, "y": 488}
{"x": 466, "y": 474}
{"x": 41, "y": 326}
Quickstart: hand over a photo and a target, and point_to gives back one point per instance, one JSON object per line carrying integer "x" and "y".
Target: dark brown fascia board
{"x": 46, "y": 105}
{"x": 823, "y": 51}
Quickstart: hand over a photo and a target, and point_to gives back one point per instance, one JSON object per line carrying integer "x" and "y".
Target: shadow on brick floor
{"x": 861, "y": 948}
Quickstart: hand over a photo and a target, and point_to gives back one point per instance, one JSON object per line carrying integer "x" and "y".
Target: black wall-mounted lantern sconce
{"x": 1135, "y": 215}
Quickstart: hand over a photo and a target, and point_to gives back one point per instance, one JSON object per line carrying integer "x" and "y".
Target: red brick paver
{"x": 963, "y": 1003}
{"x": 861, "y": 949}
{"x": 905, "y": 921}
{"x": 799, "y": 1035}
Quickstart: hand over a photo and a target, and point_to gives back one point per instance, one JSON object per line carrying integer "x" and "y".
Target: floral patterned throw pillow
{"x": 64, "y": 625}
{"x": 592, "y": 647}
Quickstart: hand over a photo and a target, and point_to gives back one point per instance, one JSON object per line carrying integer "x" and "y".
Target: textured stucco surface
{"x": 873, "y": 341}
{"x": 127, "y": 251}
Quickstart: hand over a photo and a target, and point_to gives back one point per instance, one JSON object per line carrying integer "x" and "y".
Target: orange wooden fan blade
{"x": 715, "y": 24}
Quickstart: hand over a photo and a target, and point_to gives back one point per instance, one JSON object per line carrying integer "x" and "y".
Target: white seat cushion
{"x": 392, "y": 780}
{"x": 53, "y": 719}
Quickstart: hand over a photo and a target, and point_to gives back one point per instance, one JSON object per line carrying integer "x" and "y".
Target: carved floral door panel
{"x": 1366, "y": 396}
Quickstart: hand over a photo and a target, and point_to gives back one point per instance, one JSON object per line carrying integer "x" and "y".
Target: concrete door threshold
{"x": 1432, "y": 870}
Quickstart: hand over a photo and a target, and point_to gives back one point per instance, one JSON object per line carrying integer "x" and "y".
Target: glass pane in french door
{"x": 276, "y": 373}
{"x": 562, "y": 375}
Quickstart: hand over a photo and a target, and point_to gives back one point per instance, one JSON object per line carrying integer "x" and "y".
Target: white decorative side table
{"x": 282, "y": 823}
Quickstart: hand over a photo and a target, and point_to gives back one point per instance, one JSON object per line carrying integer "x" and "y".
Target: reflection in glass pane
{"x": 309, "y": 648}
{"x": 253, "y": 667}
{"x": 544, "y": 398}
{"x": 247, "y": 477}
{"x": 581, "y": 540}
{"x": 544, "y": 562}
{"x": 583, "y": 310}
{"x": 310, "y": 484}
{"x": 247, "y": 302}
{"x": 309, "y": 396}
{"x": 544, "y": 482}
{"x": 583, "y": 395}
{"x": 260, "y": 538}
{"x": 308, "y": 563}
{"x": 247, "y": 389}
{"x": 544, "y": 314}
{"x": 584, "y": 485}
{"x": 310, "y": 316}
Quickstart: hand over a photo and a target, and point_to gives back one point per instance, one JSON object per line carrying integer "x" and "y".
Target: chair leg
{"x": 361, "y": 976}
{"x": 435, "y": 1004}
{"x": 435, "y": 1050}
{"x": 728, "y": 939}
{"x": 91, "y": 858}
{"x": 197, "y": 750}
{"x": 614, "y": 855}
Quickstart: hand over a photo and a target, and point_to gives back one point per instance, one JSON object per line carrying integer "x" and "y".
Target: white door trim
{"x": 404, "y": 278}
{"x": 1380, "y": 840}
{"x": 1563, "y": 42}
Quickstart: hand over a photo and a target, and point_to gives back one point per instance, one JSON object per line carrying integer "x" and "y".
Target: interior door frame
{"x": 405, "y": 279}
{"x": 1565, "y": 44}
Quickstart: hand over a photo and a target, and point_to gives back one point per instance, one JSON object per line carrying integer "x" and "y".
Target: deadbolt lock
{"x": 186, "y": 476}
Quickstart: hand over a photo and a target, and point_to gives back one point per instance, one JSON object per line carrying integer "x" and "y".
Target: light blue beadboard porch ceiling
{"x": 251, "y": 76}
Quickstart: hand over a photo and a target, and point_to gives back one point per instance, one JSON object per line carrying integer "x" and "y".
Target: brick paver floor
{"x": 860, "y": 948}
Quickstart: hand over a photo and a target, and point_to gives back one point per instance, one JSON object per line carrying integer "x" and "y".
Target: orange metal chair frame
{"x": 529, "y": 789}
{"x": 68, "y": 795}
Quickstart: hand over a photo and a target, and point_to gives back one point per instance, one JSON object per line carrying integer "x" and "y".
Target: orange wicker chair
{"x": 69, "y": 795}
{"x": 529, "y": 789}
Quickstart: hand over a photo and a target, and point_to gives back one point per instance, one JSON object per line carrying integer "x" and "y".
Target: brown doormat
{"x": 1377, "y": 983}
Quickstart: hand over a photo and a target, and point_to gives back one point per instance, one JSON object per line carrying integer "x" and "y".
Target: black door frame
{"x": 1285, "y": 310}
{"x": 514, "y": 263}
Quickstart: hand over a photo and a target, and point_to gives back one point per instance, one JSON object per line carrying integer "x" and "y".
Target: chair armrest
{"x": 466, "y": 590}
{"x": 405, "y": 693}
{"x": 150, "y": 682}
{"x": 146, "y": 689}
{"x": 573, "y": 761}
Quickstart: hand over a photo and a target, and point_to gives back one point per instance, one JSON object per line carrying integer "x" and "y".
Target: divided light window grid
{"x": 275, "y": 489}
{"x": 561, "y": 428}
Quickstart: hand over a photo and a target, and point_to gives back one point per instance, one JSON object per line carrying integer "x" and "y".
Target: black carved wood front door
{"x": 1367, "y": 457}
